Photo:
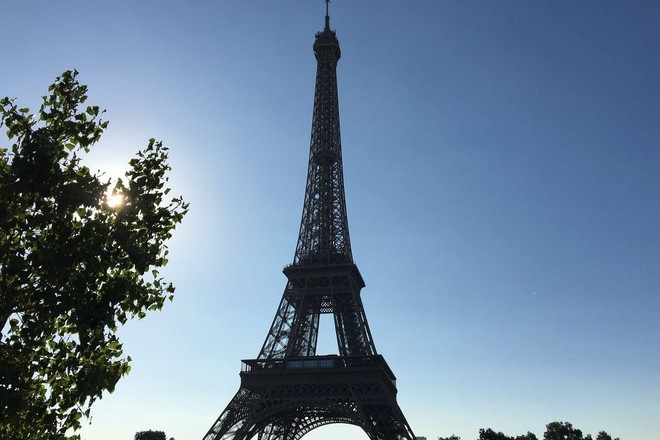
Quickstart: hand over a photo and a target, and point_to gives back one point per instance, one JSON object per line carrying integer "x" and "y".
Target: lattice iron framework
{"x": 289, "y": 390}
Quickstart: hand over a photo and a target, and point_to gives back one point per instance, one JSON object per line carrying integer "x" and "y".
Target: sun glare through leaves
{"x": 114, "y": 199}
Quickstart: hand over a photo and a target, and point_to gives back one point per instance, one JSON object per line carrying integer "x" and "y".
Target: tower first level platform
{"x": 293, "y": 396}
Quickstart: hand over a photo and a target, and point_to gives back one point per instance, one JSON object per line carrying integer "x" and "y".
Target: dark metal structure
{"x": 289, "y": 390}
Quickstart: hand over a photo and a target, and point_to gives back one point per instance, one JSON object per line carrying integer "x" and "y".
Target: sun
{"x": 114, "y": 199}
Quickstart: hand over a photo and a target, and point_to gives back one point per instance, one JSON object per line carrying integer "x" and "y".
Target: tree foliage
{"x": 566, "y": 431}
{"x": 72, "y": 267}
{"x": 528, "y": 436}
{"x": 553, "y": 431}
{"x": 489, "y": 434}
{"x": 602, "y": 435}
{"x": 561, "y": 431}
{"x": 151, "y": 435}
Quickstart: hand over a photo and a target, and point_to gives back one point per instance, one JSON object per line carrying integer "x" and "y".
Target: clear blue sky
{"x": 502, "y": 168}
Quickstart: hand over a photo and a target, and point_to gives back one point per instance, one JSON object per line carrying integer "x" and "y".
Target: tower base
{"x": 284, "y": 399}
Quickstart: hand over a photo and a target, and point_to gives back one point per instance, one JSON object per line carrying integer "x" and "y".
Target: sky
{"x": 502, "y": 171}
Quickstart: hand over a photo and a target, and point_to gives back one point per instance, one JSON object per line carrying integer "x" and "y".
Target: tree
{"x": 151, "y": 435}
{"x": 554, "y": 431}
{"x": 489, "y": 434}
{"x": 602, "y": 435}
{"x": 451, "y": 437}
{"x": 72, "y": 267}
{"x": 561, "y": 431}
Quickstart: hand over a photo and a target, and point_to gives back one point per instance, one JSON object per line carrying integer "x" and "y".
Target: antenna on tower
{"x": 327, "y": 15}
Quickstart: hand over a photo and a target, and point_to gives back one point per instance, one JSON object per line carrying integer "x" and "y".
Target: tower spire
{"x": 323, "y": 237}
{"x": 327, "y": 15}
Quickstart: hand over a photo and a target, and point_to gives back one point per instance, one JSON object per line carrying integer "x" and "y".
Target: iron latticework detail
{"x": 289, "y": 390}
{"x": 323, "y": 236}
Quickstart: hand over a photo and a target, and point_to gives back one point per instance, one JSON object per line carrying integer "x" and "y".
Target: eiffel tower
{"x": 288, "y": 390}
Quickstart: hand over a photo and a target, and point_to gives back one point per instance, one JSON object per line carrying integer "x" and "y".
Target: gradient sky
{"x": 502, "y": 170}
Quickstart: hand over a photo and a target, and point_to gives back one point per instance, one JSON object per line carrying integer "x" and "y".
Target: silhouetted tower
{"x": 289, "y": 390}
